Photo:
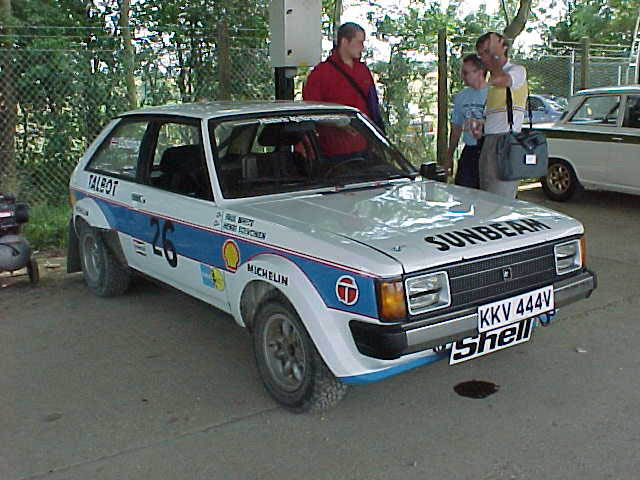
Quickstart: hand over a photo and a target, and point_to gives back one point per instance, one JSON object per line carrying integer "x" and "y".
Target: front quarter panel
{"x": 327, "y": 326}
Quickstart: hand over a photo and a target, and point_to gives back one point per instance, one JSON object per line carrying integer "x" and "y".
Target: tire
{"x": 561, "y": 182}
{"x": 103, "y": 274}
{"x": 290, "y": 366}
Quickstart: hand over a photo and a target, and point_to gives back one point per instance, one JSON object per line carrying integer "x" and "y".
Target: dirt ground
{"x": 157, "y": 385}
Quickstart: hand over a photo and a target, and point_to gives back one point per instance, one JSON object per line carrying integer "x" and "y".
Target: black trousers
{"x": 468, "y": 173}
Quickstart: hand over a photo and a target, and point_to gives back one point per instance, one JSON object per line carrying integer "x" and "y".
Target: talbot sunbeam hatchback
{"x": 345, "y": 263}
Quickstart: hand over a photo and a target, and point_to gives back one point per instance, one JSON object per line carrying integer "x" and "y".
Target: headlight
{"x": 428, "y": 292}
{"x": 391, "y": 304}
{"x": 569, "y": 256}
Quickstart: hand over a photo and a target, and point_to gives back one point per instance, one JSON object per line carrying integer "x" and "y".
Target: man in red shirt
{"x": 344, "y": 79}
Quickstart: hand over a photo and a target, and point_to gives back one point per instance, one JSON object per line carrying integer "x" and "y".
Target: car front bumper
{"x": 394, "y": 341}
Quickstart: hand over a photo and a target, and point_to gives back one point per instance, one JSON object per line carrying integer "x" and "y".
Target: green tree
{"x": 8, "y": 99}
{"x": 603, "y": 21}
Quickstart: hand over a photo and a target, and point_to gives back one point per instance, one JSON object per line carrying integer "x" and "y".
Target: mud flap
{"x": 73, "y": 250}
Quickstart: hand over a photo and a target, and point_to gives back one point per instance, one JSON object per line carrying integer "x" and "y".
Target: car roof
{"x": 209, "y": 110}
{"x": 619, "y": 89}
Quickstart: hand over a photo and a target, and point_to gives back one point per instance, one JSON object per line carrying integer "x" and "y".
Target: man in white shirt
{"x": 492, "y": 50}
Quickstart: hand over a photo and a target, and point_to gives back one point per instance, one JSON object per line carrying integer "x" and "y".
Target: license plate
{"x": 491, "y": 341}
{"x": 514, "y": 309}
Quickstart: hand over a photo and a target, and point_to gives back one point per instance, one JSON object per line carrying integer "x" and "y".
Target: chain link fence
{"x": 557, "y": 69}
{"x": 54, "y": 102}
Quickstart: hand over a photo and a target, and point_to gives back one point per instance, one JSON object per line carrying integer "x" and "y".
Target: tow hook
{"x": 545, "y": 319}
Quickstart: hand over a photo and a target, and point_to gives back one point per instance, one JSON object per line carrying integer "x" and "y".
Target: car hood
{"x": 420, "y": 224}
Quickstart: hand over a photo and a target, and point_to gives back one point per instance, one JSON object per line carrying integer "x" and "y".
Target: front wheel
{"x": 291, "y": 368}
{"x": 103, "y": 274}
{"x": 561, "y": 182}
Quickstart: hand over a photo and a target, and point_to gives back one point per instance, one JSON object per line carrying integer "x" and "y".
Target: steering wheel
{"x": 342, "y": 164}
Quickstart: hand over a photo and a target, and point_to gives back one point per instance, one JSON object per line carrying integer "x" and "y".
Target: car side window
{"x": 179, "y": 163}
{"x": 118, "y": 155}
{"x": 632, "y": 113}
{"x": 536, "y": 104}
{"x": 598, "y": 110}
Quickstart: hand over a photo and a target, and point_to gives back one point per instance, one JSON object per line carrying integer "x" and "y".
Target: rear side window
{"x": 118, "y": 155}
{"x": 536, "y": 104}
{"x": 175, "y": 134}
{"x": 598, "y": 110}
{"x": 179, "y": 163}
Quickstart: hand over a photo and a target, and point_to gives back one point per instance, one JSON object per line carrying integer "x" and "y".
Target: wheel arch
{"x": 108, "y": 234}
{"x": 335, "y": 345}
{"x": 88, "y": 210}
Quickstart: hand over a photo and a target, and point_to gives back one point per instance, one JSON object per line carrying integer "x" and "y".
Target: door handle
{"x": 617, "y": 139}
{"x": 136, "y": 197}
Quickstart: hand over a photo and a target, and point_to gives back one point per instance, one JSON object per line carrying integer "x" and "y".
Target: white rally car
{"x": 305, "y": 224}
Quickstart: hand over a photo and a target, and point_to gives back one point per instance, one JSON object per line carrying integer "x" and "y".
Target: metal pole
{"x": 584, "y": 80}
{"x": 619, "y": 74}
{"x": 284, "y": 77}
{"x": 572, "y": 73}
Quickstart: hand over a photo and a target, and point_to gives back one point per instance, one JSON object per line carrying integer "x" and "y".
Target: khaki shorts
{"x": 489, "y": 180}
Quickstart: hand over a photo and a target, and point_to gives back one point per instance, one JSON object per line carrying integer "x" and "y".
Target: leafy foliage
{"x": 603, "y": 21}
{"x": 69, "y": 73}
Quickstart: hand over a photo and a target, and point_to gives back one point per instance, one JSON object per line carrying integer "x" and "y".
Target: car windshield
{"x": 277, "y": 154}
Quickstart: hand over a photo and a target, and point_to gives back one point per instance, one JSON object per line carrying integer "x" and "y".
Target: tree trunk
{"x": 516, "y": 26}
{"x": 336, "y": 20}
{"x": 129, "y": 59}
{"x": 224, "y": 62}
{"x": 443, "y": 98}
{"x": 8, "y": 103}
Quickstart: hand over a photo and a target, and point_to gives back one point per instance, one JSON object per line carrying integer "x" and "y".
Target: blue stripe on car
{"x": 205, "y": 246}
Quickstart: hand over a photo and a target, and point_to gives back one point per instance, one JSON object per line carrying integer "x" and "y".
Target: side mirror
{"x": 433, "y": 171}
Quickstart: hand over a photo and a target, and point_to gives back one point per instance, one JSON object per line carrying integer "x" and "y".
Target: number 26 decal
{"x": 167, "y": 246}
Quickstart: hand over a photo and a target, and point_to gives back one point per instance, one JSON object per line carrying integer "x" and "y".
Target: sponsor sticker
{"x": 347, "y": 290}
{"x": 491, "y": 341}
{"x": 262, "y": 272}
{"x": 231, "y": 255}
{"x": 212, "y": 277}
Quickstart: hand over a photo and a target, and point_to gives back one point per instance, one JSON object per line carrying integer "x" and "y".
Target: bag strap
{"x": 349, "y": 78}
{"x": 510, "y": 108}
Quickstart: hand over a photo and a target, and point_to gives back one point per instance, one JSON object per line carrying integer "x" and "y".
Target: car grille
{"x": 482, "y": 281}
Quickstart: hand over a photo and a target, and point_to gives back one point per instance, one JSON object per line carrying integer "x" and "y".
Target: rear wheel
{"x": 103, "y": 274}
{"x": 291, "y": 368}
{"x": 561, "y": 182}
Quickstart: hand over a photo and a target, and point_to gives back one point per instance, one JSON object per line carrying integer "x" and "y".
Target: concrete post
{"x": 585, "y": 81}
